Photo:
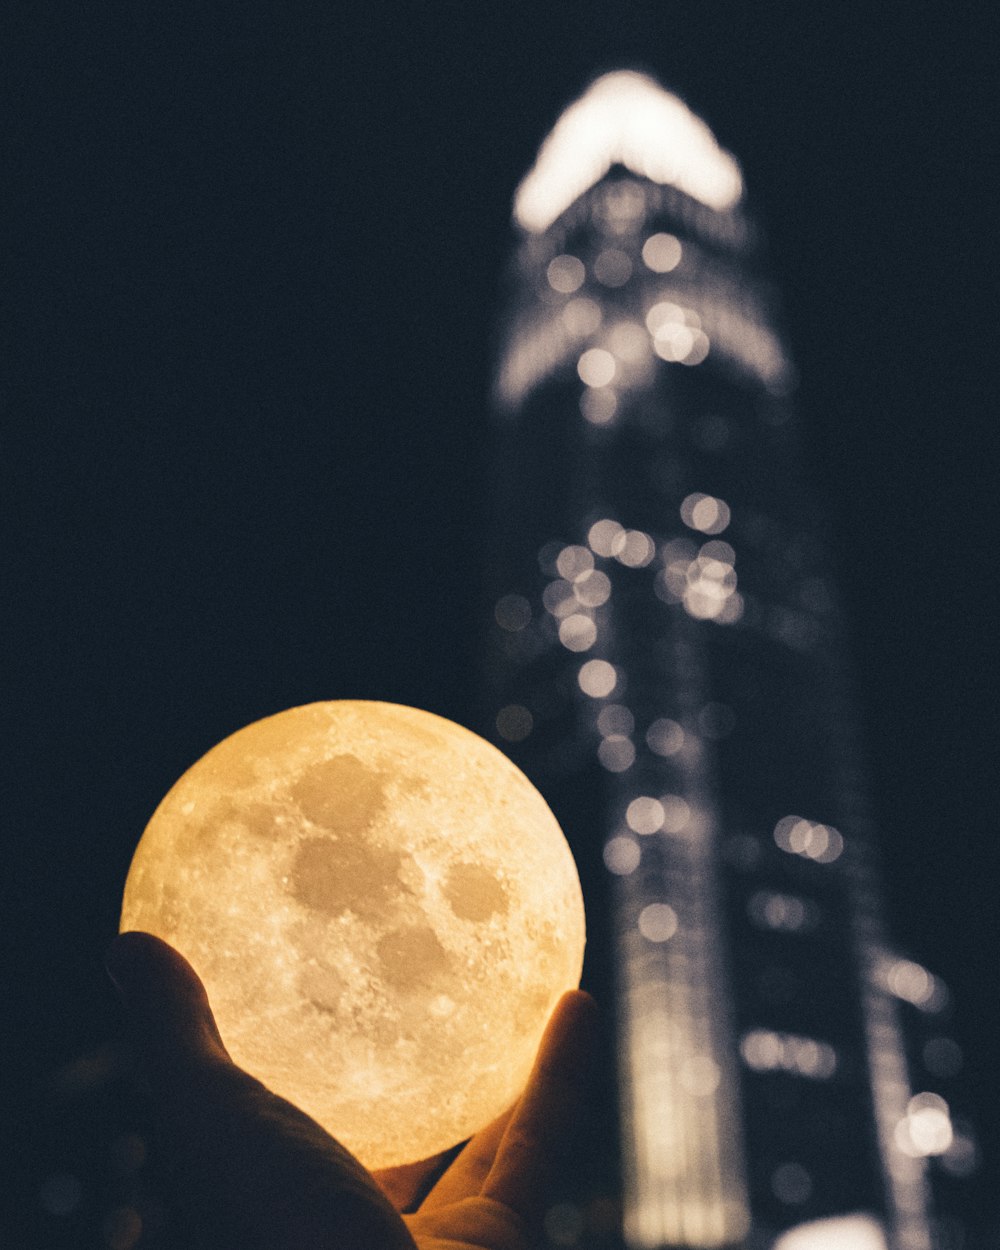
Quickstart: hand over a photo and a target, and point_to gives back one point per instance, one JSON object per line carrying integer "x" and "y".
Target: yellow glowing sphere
{"x": 384, "y": 912}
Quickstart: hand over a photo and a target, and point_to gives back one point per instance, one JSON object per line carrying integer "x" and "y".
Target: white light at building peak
{"x": 625, "y": 118}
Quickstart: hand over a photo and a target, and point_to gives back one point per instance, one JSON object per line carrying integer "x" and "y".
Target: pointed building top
{"x": 625, "y": 118}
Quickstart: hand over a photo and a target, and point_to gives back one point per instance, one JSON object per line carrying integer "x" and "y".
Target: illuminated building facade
{"x": 666, "y": 663}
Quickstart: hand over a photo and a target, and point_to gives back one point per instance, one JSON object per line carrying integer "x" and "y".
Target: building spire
{"x": 625, "y": 118}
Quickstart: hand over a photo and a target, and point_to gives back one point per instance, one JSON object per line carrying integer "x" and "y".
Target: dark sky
{"x": 256, "y": 265}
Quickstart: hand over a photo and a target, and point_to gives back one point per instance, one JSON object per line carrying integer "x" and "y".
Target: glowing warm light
{"x": 821, "y": 843}
{"x": 606, "y": 538}
{"x": 599, "y": 406}
{"x": 368, "y": 890}
{"x": 914, "y": 984}
{"x": 676, "y": 813}
{"x": 661, "y": 253}
{"x": 566, "y": 274}
{"x": 665, "y": 737}
{"x": 597, "y": 678}
{"x": 577, "y": 632}
{"x": 574, "y": 563}
{"x": 637, "y": 550}
{"x": 763, "y": 1050}
{"x": 625, "y": 118}
{"x": 842, "y": 1232}
{"x": 645, "y": 814}
{"x": 582, "y": 316}
{"x": 705, "y": 513}
{"x": 596, "y": 367}
{"x": 616, "y": 753}
{"x": 622, "y": 855}
{"x": 629, "y": 341}
{"x": 926, "y": 1128}
{"x": 592, "y": 589}
{"x": 658, "y": 922}
{"x": 782, "y": 912}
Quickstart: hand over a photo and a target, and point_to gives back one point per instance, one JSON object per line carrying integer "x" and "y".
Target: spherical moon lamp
{"x": 384, "y": 912}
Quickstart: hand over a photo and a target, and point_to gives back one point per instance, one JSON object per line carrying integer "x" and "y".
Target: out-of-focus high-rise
{"x": 666, "y": 662}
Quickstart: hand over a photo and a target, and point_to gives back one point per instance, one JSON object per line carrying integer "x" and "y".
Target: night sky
{"x": 255, "y": 277}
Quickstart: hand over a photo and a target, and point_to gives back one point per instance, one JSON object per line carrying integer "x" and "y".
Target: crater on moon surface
{"x": 364, "y": 917}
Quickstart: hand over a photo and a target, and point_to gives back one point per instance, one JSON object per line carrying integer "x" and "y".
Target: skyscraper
{"x": 666, "y": 662}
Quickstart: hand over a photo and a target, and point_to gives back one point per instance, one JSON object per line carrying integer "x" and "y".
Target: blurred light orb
{"x": 384, "y": 912}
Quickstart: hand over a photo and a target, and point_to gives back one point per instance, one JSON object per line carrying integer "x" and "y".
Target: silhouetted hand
{"x": 248, "y": 1170}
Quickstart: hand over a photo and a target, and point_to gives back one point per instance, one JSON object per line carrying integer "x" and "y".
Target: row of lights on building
{"x": 764, "y": 1050}
{"x": 612, "y": 267}
{"x": 704, "y": 579}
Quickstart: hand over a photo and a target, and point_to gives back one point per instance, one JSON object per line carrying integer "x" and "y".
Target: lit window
{"x": 661, "y": 253}
{"x": 781, "y": 912}
{"x": 705, "y": 513}
{"x": 616, "y": 753}
{"x": 593, "y": 589}
{"x": 926, "y": 1128}
{"x": 914, "y": 984}
{"x": 658, "y": 922}
{"x": 763, "y": 1050}
{"x": 645, "y": 814}
{"x": 821, "y": 843}
{"x": 596, "y": 367}
{"x": 676, "y": 813}
{"x": 574, "y": 563}
{"x": 597, "y": 678}
{"x": 622, "y": 855}
{"x": 628, "y": 341}
{"x": 606, "y": 538}
{"x": 665, "y": 737}
{"x": 577, "y": 632}
{"x": 599, "y": 405}
{"x": 673, "y": 342}
{"x": 566, "y": 274}
{"x": 637, "y": 550}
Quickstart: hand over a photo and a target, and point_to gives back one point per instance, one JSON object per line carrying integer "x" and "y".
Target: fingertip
{"x": 164, "y": 997}
{"x": 129, "y": 957}
{"x": 571, "y": 1034}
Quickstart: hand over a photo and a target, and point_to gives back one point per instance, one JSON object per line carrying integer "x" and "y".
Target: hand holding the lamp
{"x": 248, "y": 1169}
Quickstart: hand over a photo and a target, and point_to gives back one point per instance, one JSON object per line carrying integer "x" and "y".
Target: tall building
{"x": 666, "y": 662}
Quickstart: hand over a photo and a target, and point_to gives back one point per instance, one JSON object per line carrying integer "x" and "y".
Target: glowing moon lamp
{"x": 384, "y": 912}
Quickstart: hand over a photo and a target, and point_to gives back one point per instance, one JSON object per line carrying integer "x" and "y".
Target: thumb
{"x": 168, "y": 1012}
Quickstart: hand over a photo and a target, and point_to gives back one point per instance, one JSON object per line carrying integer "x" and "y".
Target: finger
{"x": 539, "y": 1134}
{"x": 243, "y": 1167}
{"x": 168, "y": 1011}
{"x": 465, "y": 1177}
{"x": 404, "y": 1186}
